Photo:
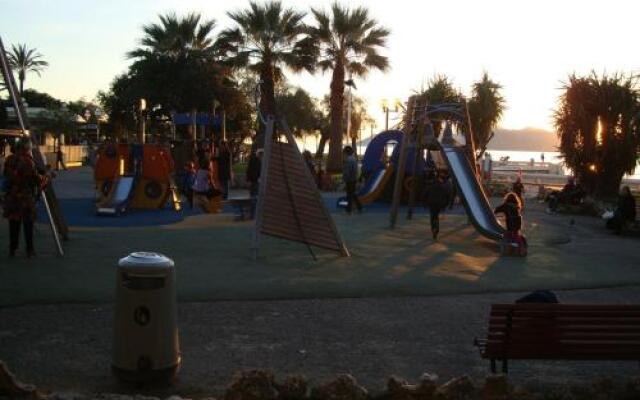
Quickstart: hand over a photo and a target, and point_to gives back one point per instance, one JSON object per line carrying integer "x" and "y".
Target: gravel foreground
{"x": 66, "y": 348}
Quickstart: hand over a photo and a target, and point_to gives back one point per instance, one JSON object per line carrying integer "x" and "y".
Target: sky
{"x": 529, "y": 47}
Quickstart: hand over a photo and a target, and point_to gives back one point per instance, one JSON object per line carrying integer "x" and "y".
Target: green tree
{"x": 486, "y": 107}
{"x": 176, "y": 69}
{"x": 350, "y": 41}
{"x": 177, "y": 37}
{"x": 300, "y": 110}
{"x": 440, "y": 90}
{"x": 267, "y": 39}
{"x": 24, "y": 60}
{"x": 40, "y": 99}
{"x": 596, "y": 120}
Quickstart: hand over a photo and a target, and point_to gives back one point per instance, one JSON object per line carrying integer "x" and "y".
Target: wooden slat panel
{"x": 563, "y": 331}
{"x": 290, "y": 194}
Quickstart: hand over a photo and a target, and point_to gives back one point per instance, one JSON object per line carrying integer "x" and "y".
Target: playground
{"x": 213, "y": 261}
{"x": 350, "y": 305}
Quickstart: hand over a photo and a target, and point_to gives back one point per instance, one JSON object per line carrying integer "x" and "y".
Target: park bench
{"x": 544, "y": 331}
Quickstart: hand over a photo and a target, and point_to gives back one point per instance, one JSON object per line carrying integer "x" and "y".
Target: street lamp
{"x": 142, "y": 108}
{"x": 98, "y": 113}
{"x": 386, "y": 109}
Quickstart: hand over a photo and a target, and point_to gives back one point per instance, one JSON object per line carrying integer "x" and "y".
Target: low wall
{"x": 73, "y": 155}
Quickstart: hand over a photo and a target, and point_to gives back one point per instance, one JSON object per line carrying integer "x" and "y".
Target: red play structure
{"x": 134, "y": 176}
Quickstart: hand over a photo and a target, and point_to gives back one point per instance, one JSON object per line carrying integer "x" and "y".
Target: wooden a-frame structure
{"x": 289, "y": 204}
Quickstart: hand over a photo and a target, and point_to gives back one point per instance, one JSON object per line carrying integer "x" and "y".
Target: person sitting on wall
{"x": 625, "y": 213}
{"x": 571, "y": 194}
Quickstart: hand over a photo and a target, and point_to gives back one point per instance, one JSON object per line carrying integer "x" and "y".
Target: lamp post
{"x": 386, "y": 109}
{"x": 351, "y": 86}
{"x": 98, "y": 114}
{"x": 142, "y": 108}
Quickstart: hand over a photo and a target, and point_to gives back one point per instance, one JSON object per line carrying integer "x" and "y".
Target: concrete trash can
{"x": 145, "y": 336}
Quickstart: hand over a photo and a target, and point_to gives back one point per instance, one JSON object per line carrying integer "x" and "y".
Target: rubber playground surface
{"x": 213, "y": 257}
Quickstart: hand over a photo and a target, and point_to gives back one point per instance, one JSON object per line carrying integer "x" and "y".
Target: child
{"x": 511, "y": 208}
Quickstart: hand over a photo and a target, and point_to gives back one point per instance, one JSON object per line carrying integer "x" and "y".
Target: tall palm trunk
{"x": 21, "y": 76}
{"x": 334, "y": 162}
{"x": 323, "y": 141}
{"x": 267, "y": 99}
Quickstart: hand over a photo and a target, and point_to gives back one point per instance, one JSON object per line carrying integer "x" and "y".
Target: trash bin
{"x": 145, "y": 336}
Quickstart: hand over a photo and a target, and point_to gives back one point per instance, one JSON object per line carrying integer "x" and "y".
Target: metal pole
{"x": 386, "y": 119}
{"x": 21, "y": 116}
{"x": 224, "y": 124}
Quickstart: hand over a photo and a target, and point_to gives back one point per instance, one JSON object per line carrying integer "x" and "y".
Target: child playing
{"x": 511, "y": 208}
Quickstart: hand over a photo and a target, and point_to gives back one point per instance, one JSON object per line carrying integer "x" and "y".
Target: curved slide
{"x": 373, "y": 188}
{"x": 119, "y": 196}
{"x": 474, "y": 199}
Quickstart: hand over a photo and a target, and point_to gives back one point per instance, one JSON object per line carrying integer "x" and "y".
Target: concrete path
{"x": 67, "y": 347}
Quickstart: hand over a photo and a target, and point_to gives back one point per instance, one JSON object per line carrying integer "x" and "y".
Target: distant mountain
{"x": 527, "y": 139}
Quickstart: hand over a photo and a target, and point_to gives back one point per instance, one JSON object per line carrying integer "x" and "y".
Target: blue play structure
{"x": 378, "y": 170}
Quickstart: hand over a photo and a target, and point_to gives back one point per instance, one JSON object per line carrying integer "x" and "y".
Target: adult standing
{"x": 224, "y": 167}
{"x": 350, "y": 178}
{"x": 253, "y": 178}
{"x": 60, "y": 159}
{"x": 22, "y": 185}
{"x": 437, "y": 196}
{"x": 518, "y": 189}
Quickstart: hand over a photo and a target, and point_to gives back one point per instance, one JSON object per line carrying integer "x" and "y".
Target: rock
{"x": 400, "y": 389}
{"x": 461, "y": 388}
{"x": 496, "y": 387}
{"x": 294, "y": 387}
{"x": 344, "y": 387}
{"x": 252, "y": 385}
{"x": 11, "y": 387}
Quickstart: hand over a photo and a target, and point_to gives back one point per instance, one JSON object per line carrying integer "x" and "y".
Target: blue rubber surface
{"x": 82, "y": 212}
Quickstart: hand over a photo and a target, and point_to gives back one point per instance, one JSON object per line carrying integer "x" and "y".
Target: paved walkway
{"x": 68, "y": 347}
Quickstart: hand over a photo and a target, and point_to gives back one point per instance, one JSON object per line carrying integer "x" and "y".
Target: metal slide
{"x": 474, "y": 199}
{"x": 119, "y": 196}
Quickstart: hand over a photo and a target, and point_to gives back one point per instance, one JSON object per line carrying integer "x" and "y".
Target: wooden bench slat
{"x": 562, "y": 331}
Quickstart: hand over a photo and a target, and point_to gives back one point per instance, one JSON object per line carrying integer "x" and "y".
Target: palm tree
{"x": 268, "y": 37}
{"x": 597, "y": 124}
{"x": 486, "y": 107}
{"x": 349, "y": 41}
{"x": 176, "y": 37}
{"x": 25, "y": 60}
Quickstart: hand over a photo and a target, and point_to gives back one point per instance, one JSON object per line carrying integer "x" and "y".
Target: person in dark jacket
{"x": 350, "y": 178}
{"x": 436, "y": 196}
{"x": 22, "y": 186}
{"x": 511, "y": 208}
{"x": 253, "y": 172}
{"x": 625, "y": 212}
{"x": 224, "y": 168}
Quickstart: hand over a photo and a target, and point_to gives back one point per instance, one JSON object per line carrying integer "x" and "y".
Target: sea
{"x": 552, "y": 157}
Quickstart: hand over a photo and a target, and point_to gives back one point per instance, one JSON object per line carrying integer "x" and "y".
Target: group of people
{"x": 208, "y": 175}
